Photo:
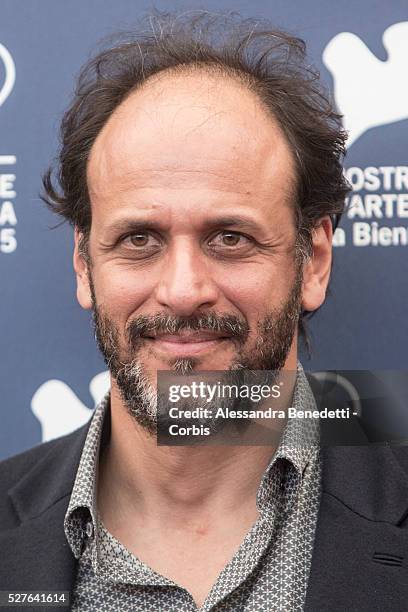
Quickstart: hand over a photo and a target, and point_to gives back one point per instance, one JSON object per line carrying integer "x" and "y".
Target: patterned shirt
{"x": 268, "y": 573}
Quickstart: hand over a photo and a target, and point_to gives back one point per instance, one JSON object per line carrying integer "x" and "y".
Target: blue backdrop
{"x": 51, "y": 373}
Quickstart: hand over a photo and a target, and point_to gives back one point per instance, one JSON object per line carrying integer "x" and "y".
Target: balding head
{"x": 192, "y": 136}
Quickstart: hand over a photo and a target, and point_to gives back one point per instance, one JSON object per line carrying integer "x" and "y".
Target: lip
{"x": 183, "y": 345}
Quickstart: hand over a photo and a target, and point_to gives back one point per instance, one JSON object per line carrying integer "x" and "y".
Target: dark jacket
{"x": 360, "y": 558}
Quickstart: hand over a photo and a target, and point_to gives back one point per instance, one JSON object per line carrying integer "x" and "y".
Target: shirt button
{"x": 89, "y": 530}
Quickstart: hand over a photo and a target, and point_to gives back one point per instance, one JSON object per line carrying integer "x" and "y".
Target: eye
{"x": 231, "y": 241}
{"x": 139, "y": 240}
{"x": 143, "y": 243}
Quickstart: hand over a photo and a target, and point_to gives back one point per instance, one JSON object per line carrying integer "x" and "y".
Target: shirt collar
{"x": 81, "y": 516}
{"x": 300, "y": 438}
{"x": 298, "y": 446}
{"x": 299, "y": 441}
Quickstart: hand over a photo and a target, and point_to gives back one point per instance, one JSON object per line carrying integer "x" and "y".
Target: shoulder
{"x": 14, "y": 468}
{"x": 401, "y": 454}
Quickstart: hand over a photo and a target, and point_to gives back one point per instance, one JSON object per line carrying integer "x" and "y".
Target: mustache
{"x": 231, "y": 325}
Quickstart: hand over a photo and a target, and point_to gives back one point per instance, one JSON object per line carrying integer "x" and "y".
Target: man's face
{"x": 193, "y": 232}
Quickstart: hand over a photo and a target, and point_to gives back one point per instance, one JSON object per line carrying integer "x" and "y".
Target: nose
{"x": 186, "y": 284}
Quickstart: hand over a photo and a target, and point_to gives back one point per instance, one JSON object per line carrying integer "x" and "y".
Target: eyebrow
{"x": 234, "y": 221}
{"x": 126, "y": 225}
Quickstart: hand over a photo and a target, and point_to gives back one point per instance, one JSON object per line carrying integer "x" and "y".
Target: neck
{"x": 139, "y": 478}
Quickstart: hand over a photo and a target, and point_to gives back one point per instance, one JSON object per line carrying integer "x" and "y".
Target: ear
{"x": 316, "y": 271}
{"x": 84, "y": 296}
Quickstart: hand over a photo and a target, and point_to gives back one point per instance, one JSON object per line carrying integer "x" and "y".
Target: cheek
{"x": 257, "y": 290}
{"x": 121, "y": 292}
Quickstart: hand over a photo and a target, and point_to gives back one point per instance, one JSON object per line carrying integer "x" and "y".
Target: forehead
{"x": 192, "y": 130}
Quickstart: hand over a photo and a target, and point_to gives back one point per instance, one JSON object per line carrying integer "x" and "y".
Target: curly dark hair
{"x": 270, "y": 62}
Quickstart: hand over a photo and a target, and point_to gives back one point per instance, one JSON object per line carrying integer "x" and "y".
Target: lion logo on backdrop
{"x": 60, "y": 411}
{"x": 9, "y": 74}
{"x": 369, "y": 92}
